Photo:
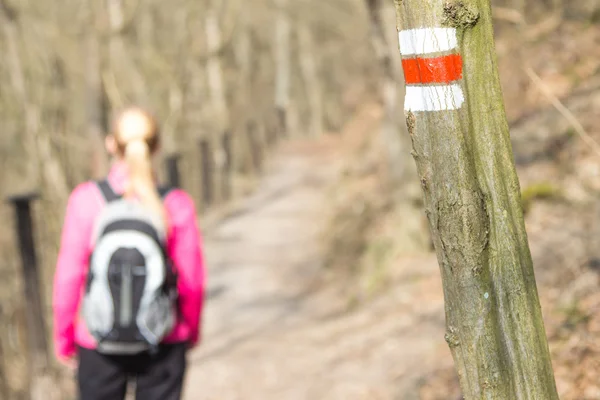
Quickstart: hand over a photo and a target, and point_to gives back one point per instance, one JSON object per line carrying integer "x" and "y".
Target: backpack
{"x": 130, "y": 299}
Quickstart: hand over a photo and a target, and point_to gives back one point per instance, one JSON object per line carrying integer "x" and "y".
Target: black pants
{"x": 158, "y": 377}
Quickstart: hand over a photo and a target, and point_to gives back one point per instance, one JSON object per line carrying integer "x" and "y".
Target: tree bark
{"x": 96, "y": 102}
{"x": 282, "y": 65}
{"x": 120, "y": 59}
{"x": 246, "y": 103}
{"x": 39, "y": 148}
{"x": 310, "y": 74}
{"x": 215, "y": 73}
{"x": 456, "y": 119}
{"x": 4, "y": 388}
{"x": 388, "y": 90}
{"x": 243, "y": 53}
{"x": 216, "y": 86}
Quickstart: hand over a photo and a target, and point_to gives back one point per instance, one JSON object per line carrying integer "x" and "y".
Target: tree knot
{"x": 411, "y": 121}
{"x": 452, "y": 338}
{"x": 459, "y": 15}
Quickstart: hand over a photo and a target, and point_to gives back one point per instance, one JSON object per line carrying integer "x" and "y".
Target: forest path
{"x": 269, "y": 335}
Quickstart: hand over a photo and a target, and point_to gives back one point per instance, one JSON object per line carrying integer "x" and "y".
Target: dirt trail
{"x": 269, "y": 335}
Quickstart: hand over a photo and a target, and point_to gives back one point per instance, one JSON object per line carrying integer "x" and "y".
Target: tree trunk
{"x": 243, "y": 54}
{"x": 97, "y": 113}
{"x": 4, "y": 387}
{"x": 120, "y": 60}
{"x": 216, "y": 86}
{"x": 455, "y": 116}
{"x": 246, "y": 103}
{"x": 310, "y": 74}
{"x": 39, "y": 153}
{"x": 8, "y": 19}
{"x": 388, "y": 90}
{"x": 39, "y": 148}
{"x": 215, "y": 73}
{"x": 282, "y": 65}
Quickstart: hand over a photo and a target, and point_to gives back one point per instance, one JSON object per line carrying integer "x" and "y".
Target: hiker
{"x": 129, "y": 283}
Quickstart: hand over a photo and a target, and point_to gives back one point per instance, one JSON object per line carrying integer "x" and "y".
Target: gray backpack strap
{"x": 107, "y": 191}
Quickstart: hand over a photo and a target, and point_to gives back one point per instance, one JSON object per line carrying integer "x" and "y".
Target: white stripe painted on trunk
{"x": 427, "y": 40}
{"x": 433, "y": 98}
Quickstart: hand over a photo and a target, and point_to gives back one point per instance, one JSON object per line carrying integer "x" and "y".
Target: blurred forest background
{"x": 297, "y": 70}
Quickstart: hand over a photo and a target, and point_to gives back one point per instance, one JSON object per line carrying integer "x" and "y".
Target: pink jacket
{"x": 183, "y": 246}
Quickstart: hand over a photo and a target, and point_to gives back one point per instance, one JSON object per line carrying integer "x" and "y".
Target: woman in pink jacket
{"x": 160, "y": 374}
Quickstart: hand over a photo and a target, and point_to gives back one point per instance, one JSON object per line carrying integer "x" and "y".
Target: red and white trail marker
{"x": 432, "y": 69}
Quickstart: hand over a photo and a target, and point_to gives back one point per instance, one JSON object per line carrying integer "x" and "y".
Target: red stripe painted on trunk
{"x": 444, "y": 69}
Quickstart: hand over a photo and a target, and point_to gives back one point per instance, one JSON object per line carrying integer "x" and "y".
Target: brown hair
{"x": 136, "y": 135}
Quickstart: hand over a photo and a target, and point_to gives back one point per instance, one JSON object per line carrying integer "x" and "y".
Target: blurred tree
{"x": 456, "y": 119}
{"x": 388, "y": 90}
{"x": 283, "y": 67}
{"x": 96, "y": 102}
{"x": 214, "y": 70}
{"x": 310, "y": 75}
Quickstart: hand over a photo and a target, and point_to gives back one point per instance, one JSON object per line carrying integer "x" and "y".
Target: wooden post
{"x": 206, "y": 159}
{"x": 42, "y": 384}
{"x": 36, "y": 326}
{"x": 172, "y": 166}
{"x": 255, "y": 146}
{"x": 227, "y": 166}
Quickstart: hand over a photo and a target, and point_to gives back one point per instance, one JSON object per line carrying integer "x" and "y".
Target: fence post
{"x": 206, "y": 159}
{"x": 227, "y": 165}
{"x": 41, "y": 385}
{"x": 33, "y": 294}
{"x": 172, "y": 166}
{"x": 255, "y": 149}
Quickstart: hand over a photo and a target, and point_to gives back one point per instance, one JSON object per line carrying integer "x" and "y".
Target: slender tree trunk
{"x": 96, "y": 102}
{"x": 174, "y": 124}
{"x": 215, "y": 72}
{"x": 455, "y": 115}
{"x": 216, "y": 86}
{"x": 39, "y": 153}
{"x": 179, "y": 89}
{"x": 282, "y": 65}
{"x": 310, "y": 74}
{"x": 243, "y": 54}
{"x": 39, "y": 149}
{"x": 390, "y": 132}
{"x": 4, "y": 388}
{"x": 120, "y": 60}
{"x": 8, "y": 19}
{"x": 246, "y": 103}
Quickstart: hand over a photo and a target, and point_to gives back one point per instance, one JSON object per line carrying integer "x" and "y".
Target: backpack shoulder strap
{"x": 164, "y": 191}
{"x": 107, "y": 191}
{"x": 109, "y": 194}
